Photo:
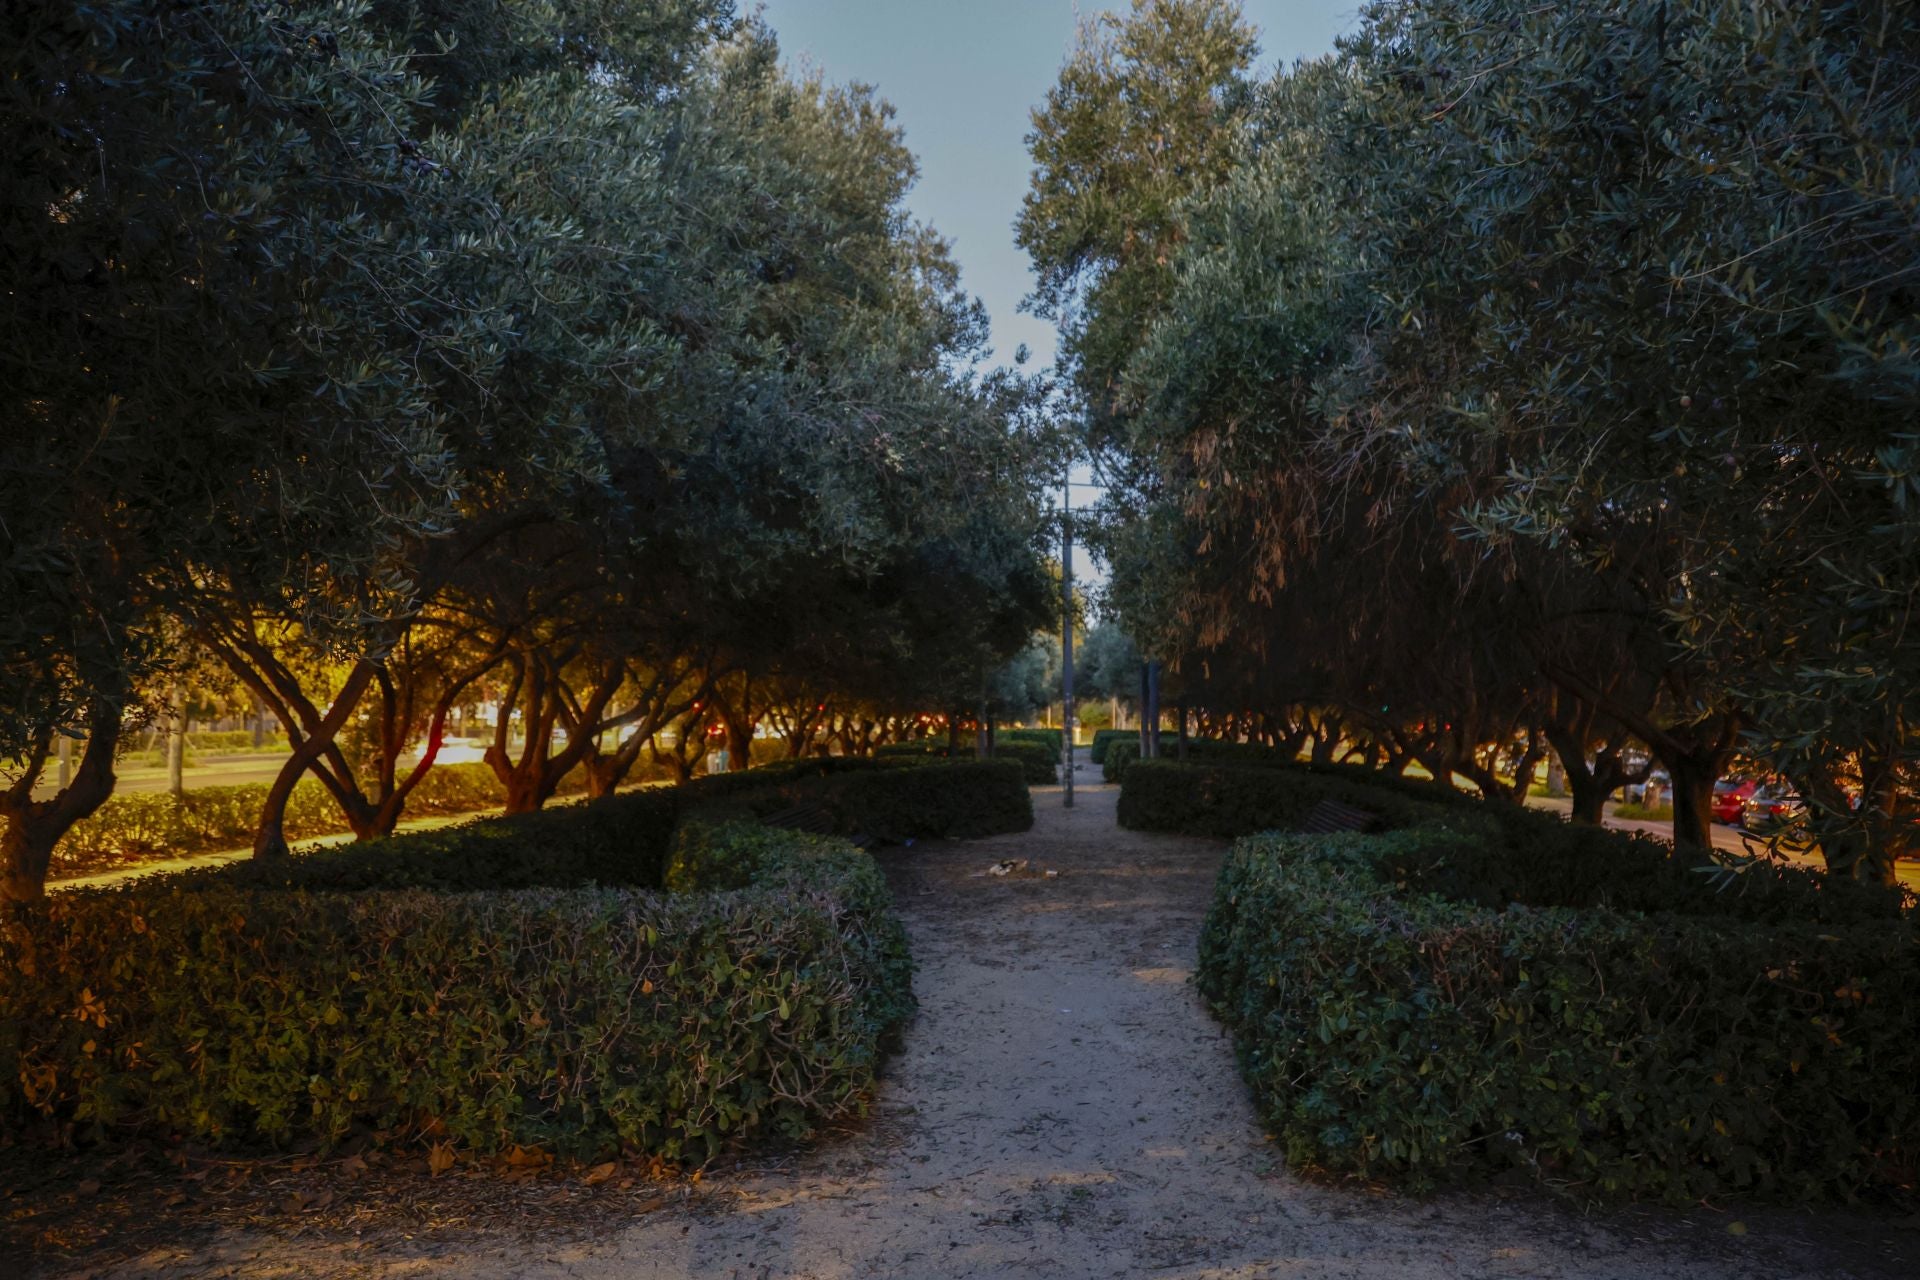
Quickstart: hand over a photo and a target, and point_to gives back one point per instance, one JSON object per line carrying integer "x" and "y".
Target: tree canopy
{"x": 1537, "y": 373}
{"x": 568, "y": 351}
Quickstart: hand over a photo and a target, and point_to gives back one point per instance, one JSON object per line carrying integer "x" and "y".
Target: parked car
{"x": 1730, "y": 796}
{"x": 1770, "y": 808}
{"x": 1636, "y": 792}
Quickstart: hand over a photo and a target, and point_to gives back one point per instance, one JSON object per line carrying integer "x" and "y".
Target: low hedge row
{"x": 1052, "y": 739}
{"x": 152, "y": 749}
{"x": 576, "y": 1019}
{"x": 1234, "y": 800}
{"x": 1125, "y": 750}
{"x": 961, "y": 799}
{"x": 626, "y": 839}
{"x": 1103, "y": 740}
{"x": 1038, "y": 761}
{"x": 1521, "y": 854}
{"x": 511, "y": 981}
{"x": 1471, "y": 992}
{"x": 143, "y": 826}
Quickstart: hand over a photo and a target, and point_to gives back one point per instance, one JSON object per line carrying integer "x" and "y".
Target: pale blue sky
{"x": 964, "y": 77}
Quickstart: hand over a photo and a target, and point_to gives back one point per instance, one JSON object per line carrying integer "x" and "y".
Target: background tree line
{"x": 1516, "y": 379}
{"x": 567, "y": 353}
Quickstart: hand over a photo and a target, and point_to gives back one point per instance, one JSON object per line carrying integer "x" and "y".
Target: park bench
{"x": 1330, "y": 817}
{"x": 815, "y": 819}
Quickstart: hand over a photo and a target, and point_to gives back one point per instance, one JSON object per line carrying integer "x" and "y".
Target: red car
{"x": 1730, "y": 796}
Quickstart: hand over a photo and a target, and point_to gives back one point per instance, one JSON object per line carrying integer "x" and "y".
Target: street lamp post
{"x": 1066, "y": 626}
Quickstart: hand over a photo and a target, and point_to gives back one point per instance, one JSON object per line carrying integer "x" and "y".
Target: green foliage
{"x": 1107, "y": 665}
{"x": 142, "y": 826}
{"x": 513, "y": 980}
{"x": 1391, "y": 1032}
{"x": 621, "y": 841}
{"x": 1052, "y": 739}
{"x": 1124, "y": 749}
{"x": 1483, "y": 989}
{"x": 578, "y": 1019}
{"x": 1529, "y": 364}
{"x": 709, "y": 855}
{"x": 579, "y": 341}
{"x": 1039, "y": 763}
{"x": 1235, "y": 800}
{"x": 962, "y": 800}
{"x": 626, "y": 840}
{"x": 207, "y": 743}
{"x": 1141, "y": 119}
{"x": 1103, "y": 740}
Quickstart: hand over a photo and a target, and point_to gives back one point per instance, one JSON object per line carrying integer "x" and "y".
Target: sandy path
{"x": 1064, "y": 1108}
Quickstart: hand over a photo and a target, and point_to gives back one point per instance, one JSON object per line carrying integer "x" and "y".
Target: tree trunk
{"x": 525, "y": 794}
{"x": 1589, "y": 801}
{"x": 270, "y": 836}
{"x": 1693, "y": 802}
{"x": 26, "y": 849}
{"x": 177, "y": 742}
{"x": 604, "y": 773}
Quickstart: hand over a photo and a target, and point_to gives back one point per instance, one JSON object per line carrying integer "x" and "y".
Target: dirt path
{"x": 1064, "y": 1109}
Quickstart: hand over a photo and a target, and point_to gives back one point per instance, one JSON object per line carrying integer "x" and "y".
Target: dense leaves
{"x": 513, "y": 981}
{"x": 1481, "y": 991}
{"x": 1534, "y": 376}
{"x": 566, "y": 355}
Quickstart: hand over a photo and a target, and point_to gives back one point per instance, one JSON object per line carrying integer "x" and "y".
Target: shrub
{"x": 707, "y": 854}
{"x": 1234, "y": 800}
{"x": 1123, "y": 752}
{"x": 959, "y": 800}
{"x": 1484, "y": 988}
{"x": 620, "y": 840}
{"x": 1103, "y": 739}
{"x": 625, "y": 839}
{"x": 485, "y": 982}
{"x": 1391, "y": 1032}
{"x": 1039, "y": 763}
{"x": 709, "y": 857}
{"x": 573, "y": 1018}
{"x": 1053, "y": 740}
{"x": 144, "y": 826}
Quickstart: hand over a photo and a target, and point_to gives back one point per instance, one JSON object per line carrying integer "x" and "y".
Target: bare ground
{"x": 1063, "y": 1108}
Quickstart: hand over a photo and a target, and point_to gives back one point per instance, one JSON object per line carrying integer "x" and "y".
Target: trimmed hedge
{"x": 1234, "y": 800}
{"x": 146, "y": 826}
{"x": 1053, "y": 740}
{"x": 1485, "y": 989}
{"x": 513, "y": 980}
{"x": 1125, "y": 750}
{"x": 962, "y": 799}
{"x": 626, "y": 839}
{"x": 621, "y": 840}
{"x": 1039, "y": 763}
{"x": 1103, "y": 739}
{"x": 570, "y": 1018}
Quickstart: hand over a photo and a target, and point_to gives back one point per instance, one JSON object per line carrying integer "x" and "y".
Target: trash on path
{"x": 1015, "y": 867}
